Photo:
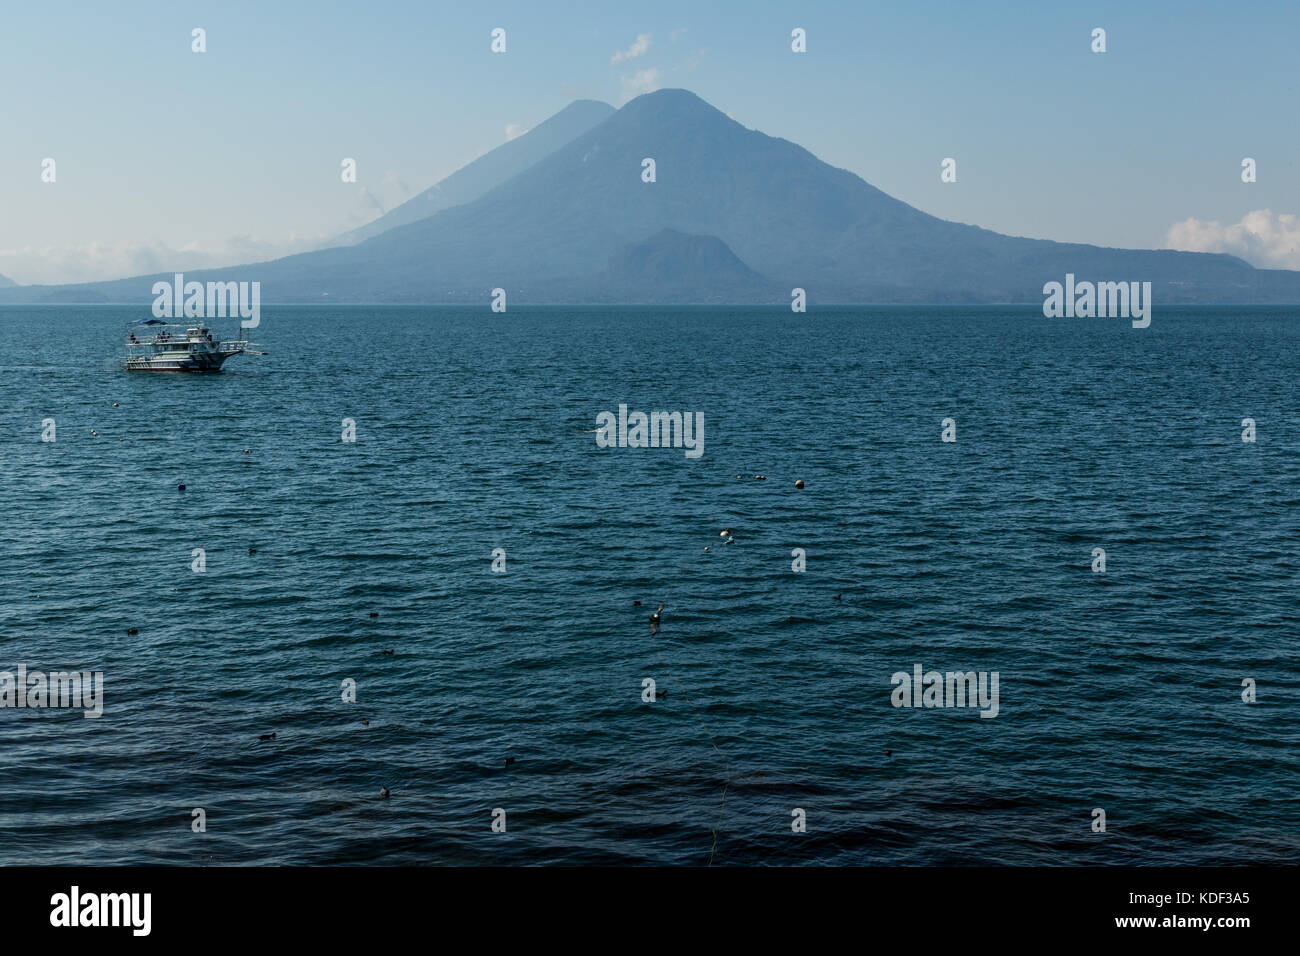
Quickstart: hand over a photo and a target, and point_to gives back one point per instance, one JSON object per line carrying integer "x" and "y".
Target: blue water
{"x": 1119, "y": 690}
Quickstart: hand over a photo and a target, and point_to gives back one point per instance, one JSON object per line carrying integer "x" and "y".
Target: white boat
{"x": 179, "y": 348}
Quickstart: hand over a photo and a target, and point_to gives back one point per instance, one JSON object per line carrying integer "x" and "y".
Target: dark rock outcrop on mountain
{"x": 675, "y": 267}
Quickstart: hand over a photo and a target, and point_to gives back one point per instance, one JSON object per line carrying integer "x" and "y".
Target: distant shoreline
{"x": 556, "y": 306}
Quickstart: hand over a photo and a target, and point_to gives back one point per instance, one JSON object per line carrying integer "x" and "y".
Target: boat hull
{"x": 192, "y": 371}
{"x": 206, "y": 363}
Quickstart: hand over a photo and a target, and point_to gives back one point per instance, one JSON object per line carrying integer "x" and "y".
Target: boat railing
{"x": 180, "y": 337}
{"x": 169, "y": 334}
{"x": 154, "y": 340}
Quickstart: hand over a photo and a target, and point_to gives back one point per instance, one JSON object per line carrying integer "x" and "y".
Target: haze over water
{"x": 1119, "y": 690}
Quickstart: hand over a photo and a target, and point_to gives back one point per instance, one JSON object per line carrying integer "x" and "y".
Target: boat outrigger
{"x": 180, "y": 347}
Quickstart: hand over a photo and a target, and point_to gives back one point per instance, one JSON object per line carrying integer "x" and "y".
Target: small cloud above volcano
{"x": 638, "y": 48}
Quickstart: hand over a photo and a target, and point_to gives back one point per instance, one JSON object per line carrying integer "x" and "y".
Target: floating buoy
{"x": 761, "y": 477}
{"x": 132, "y": 631}
{"x": 115, "y": 404}
{"x": 248, "y": 451}
{"x": 724, "y": 533}
{"x": 95, "y": 433}
{"x": 799, "y": 483}
{"x": 180, "y": 487}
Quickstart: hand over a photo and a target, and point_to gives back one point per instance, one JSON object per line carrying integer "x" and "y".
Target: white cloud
{"x": 514, "y": 129}
{"x": 643, "y": 81}
{"x": 677, "y": 34}
{"x": 1264, "y": 239}
{"x": 97, "y": 261}
{"x": 638, "y": 48}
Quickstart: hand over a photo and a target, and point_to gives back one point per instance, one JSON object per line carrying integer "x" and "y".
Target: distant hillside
{"x": 671, "y": 266}
{"x": 734, "y": 215}
{"x": 489, "y": 170}
{"x": 6, "y": 282}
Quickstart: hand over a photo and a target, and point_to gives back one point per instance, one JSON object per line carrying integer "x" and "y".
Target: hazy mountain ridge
{"x": 489, "y": 170}
{"x": 554, "y": 233}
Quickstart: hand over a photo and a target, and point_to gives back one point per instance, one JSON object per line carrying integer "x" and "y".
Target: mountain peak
{"x": 669, "y": 93}
{"x": 588, "y": 112}
{"x": 670, "y": 101}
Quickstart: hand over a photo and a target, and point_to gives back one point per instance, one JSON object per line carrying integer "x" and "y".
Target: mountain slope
{"x": 782, "y": 211}
{"x": 489, "y": 170}
{"x": 547, "y": 235}
{"x": 6, "y": 282}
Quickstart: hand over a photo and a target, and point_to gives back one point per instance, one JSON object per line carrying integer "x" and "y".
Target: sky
{"x": 170, "y": 159}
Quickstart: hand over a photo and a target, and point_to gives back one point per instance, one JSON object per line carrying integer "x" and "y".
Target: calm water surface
{"x": 1119, "y": 690}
